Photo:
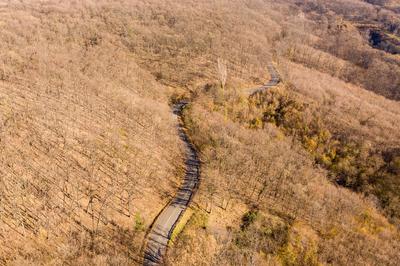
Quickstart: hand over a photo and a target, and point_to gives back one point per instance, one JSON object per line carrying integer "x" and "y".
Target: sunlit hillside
{"x": 305, "y": 173}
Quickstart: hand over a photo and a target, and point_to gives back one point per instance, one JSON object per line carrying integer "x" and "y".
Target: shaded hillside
{"x": 346, "y": 28}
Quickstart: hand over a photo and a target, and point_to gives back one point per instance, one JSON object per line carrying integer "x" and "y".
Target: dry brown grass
{"x": 89, "y": 152}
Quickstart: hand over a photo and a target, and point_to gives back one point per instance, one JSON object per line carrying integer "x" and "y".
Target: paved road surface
{"x": 275, "y": 79}
{"x": 158, "y": 237}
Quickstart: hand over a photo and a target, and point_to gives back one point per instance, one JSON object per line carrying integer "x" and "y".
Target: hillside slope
{"x": 306, "y": 173}
{"x": 88, "y": 148}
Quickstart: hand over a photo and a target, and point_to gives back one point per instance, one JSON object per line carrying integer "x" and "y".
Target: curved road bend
{"x": 160, "y": 233}
{"x": 275, "y": 79}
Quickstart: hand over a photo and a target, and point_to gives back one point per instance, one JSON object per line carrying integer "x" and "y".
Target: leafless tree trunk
{"x": 222, "y": 75}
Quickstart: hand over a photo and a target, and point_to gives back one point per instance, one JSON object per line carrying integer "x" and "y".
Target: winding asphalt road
{"x": 163, "y": 226}
{"x": 275, "y": 79}
{"x": 160, "y": 233}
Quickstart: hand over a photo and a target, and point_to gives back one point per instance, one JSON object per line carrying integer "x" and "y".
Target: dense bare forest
{"x": 306, "y": 173}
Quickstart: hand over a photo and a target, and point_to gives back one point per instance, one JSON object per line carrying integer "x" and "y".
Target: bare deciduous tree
{"x": 222, "y": 75}
{"x": 222, "y": 72}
